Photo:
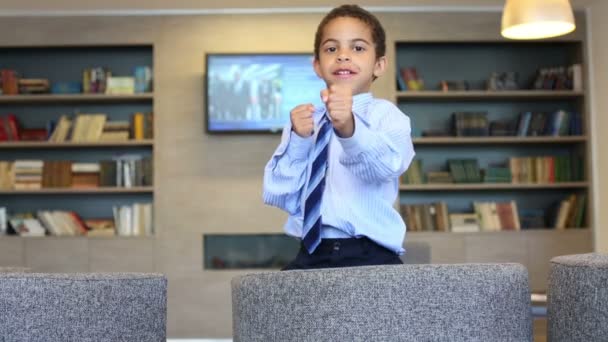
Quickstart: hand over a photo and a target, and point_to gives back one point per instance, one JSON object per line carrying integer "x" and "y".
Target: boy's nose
{"x": 343, "y": 58}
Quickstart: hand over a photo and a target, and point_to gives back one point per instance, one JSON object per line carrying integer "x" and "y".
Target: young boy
{"x": 336, "y": 171}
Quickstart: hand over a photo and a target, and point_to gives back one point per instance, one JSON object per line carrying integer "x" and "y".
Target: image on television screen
{"x": 256, "y": 92}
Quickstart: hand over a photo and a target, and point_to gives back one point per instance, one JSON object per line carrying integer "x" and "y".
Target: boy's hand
{"x": 339, "y": 103}
{"x": 301, "y": 120}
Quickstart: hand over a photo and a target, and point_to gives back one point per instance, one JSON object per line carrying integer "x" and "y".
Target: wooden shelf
{"x": 49, "y": 98}
{"x": 484, "y": 95}
{"x": 491, "y": 186}
{"x": 499, "y": 140}
{"x": 71, "y": 191}
{"x": 70, "y": 144}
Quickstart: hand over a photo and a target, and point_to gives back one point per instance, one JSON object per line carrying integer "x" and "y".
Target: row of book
{"x": 560, "y": 78}
{"x": 82, "y": 128}
{"x": 123, "y": 171}
{"x": 477, "y": 124}
{"x": 536, "y": 170}
{"x": 549, "y": 78}
{"x": 546, "y": 169}
{"x": 128, "y": 220}
{"x": 94, "y": 80}
{"x": 101, "y": 80}
{"x": 494, "y": 216}
{"x": 558, "y": 123}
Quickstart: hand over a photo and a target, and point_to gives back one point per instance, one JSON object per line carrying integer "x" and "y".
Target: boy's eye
{"x": 359, "y": 48}
{"x": 330, "y": 49}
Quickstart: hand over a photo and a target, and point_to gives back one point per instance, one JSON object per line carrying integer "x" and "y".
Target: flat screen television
{"x": 254, "y": 93}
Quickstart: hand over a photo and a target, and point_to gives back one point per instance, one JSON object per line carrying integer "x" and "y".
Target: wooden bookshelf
{"x": 452, "y": 140}
{"x": 70, "y": 144}
{"x": 75, "y": 98}
{"x": 76, "y": 191}
{"x": 492, "y": 186}
{"x": 487, "y": 95}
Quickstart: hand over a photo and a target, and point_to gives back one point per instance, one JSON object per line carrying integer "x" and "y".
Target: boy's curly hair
{"x": 354, "y": 11}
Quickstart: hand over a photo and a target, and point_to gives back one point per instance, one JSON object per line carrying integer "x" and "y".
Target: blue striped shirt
{"x": 362, "y": 181}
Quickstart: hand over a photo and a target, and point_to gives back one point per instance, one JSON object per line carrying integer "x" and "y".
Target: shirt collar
{"x": 361, "y": 103}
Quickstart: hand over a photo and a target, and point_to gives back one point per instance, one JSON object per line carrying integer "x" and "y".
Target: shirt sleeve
{"x": 382, "y": 153}
{"x": 285, "y": 172}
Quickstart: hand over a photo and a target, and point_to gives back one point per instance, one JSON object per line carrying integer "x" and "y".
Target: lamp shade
{"x": 535, "y": 19}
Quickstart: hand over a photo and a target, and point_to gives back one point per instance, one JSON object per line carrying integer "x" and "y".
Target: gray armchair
{"x": 468, "y": 302}
{"x": 83, "y": 307}
{"x": 577, "y": 298}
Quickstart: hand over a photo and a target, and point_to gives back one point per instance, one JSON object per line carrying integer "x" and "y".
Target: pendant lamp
{"x": 536, "y": 19}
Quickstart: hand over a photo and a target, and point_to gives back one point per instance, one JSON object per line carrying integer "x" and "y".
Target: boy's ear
{"x": 317, "y": 67}
{"x": 380, "y": 66}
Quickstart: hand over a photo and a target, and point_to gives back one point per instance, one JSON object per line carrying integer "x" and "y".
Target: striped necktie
{"x": 314, "y": 191}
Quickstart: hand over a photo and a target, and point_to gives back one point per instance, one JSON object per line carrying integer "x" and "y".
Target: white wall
{"x": 598, "y": 28}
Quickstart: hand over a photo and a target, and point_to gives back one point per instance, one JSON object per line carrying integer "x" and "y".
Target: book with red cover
{"x": 13, "y": 127}
{"x": 3, "y": 131}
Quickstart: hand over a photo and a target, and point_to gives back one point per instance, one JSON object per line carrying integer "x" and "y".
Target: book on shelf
{"x": 143, "y": 79}
{"x": 411, "y": 78}
{"x": 501, "y": 129}
{"x": 464, "y": 223}
{"x": 27, "y": 226}
{"x": 528, "y": 124}
{"x": 413, "y": 175}
{"x": 122, "y": 171}
{"x": 546, "y": 169}
{"x": 439, "y": 177}
{"x": 136, "y": 220}
{"x": 34, "y": 86}
{"x": 61, "y": 130}
{"x": 85, "y": 175}
{"x": 426, "y": 217}
{"x": 565, "y": 77}
{"x": 464, "y": 170}
{"x": 123, "y": 85}
{"x": 57, "y": 174}
{"x": 492, "y": 216}
{"x": 557, "y": 123}
{"x": 569, "y": 212}
{"x": 10, "y": 130}
{"x": 116, "y": 131}
{"x": 497, "y": 216}
{"x": 83, "y": 128}
{"x": 470, "y": 124}
{"x": 516, "y": 170}
{"x": 94, "y": 80}
{"x": 7, "y": 175}
{"x": 88, "y": 127}
{"x": 28, "y": 174}
{"x": 497, "y": 174}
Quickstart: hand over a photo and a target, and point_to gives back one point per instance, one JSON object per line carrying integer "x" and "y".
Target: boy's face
{"x": 347, "y": 55}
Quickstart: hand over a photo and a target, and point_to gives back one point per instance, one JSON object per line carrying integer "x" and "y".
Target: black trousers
{"x": 344, "y": 253}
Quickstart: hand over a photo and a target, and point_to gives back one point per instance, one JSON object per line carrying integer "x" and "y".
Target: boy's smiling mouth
{"x": 344, "y": 73}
